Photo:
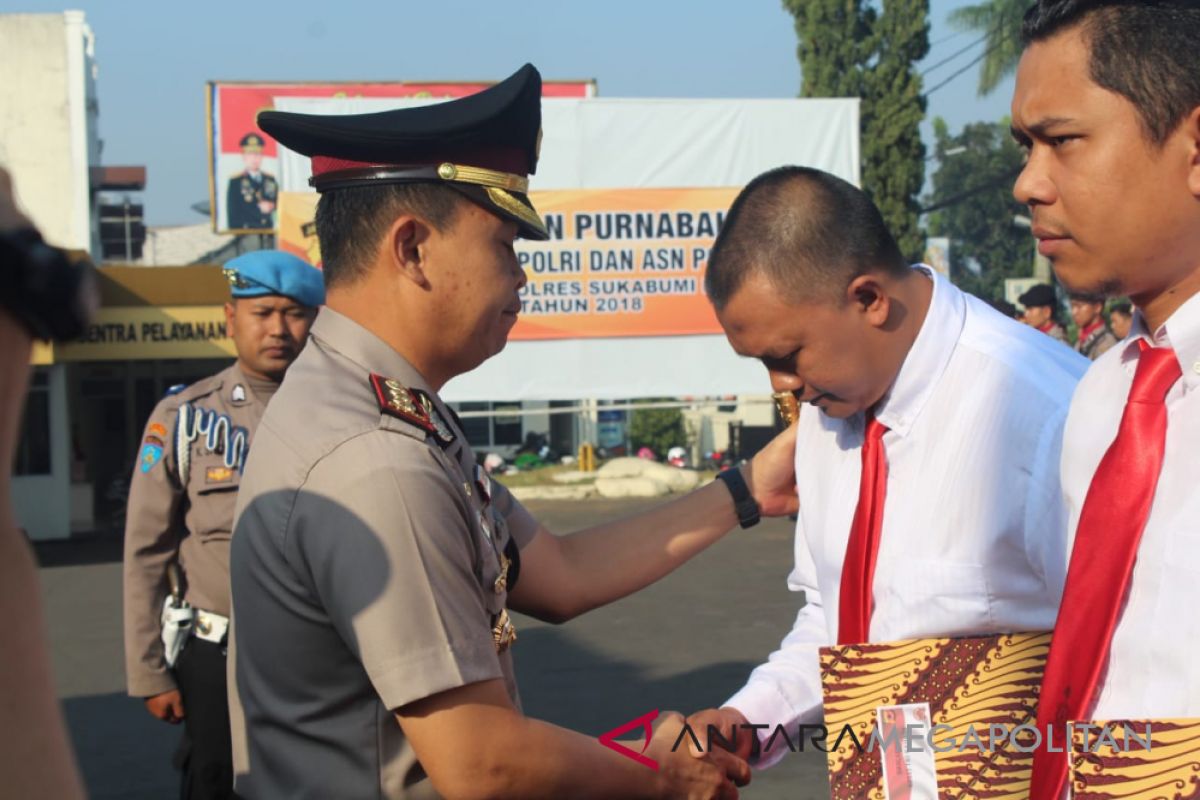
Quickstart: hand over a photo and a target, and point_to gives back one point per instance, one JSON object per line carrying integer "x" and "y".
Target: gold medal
{"x": 501, "y": 584}
{"x": 503, "y": 632}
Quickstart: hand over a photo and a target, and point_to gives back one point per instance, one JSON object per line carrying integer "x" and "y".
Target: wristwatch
{"x": 748, "y": 512}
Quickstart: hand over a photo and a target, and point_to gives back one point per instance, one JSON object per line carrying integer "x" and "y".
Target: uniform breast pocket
{"x": 928, "y": 597}
{"x": 214, "y": 489}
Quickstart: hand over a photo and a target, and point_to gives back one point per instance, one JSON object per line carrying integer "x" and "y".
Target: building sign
{"x": 148, "y": 332}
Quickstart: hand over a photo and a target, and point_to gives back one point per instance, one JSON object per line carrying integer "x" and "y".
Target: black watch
{"x": 748, "y": 512}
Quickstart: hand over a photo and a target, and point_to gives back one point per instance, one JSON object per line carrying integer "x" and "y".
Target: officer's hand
{"x": 167, "y": 706}
{"x": 727, "y": 723}
{"x": 771, "y": 476}
{"x": 265, "y": 206}
{"x": 716, "y": 776}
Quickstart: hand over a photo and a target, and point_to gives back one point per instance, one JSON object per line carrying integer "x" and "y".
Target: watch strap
{"x": 744, "y": 504}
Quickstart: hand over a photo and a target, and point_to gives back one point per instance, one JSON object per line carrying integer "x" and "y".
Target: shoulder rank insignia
{"x": 401, "y": 402}
{"x": 441, "y": 429}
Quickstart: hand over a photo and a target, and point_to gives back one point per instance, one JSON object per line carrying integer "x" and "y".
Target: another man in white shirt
{"x": 1107, "y": 103}
{"x": 969, "y": 524}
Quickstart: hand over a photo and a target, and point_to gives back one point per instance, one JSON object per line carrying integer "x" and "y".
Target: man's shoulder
{"x": 327, "y": 402}
{"x": 191, "y": 393}
{"x": 1020, "y": 354}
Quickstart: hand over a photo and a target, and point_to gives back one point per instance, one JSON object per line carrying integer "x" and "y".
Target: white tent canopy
{"x": 618, "y": 143}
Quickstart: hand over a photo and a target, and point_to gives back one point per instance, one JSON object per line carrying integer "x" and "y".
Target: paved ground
{"x": 686, "y": 643}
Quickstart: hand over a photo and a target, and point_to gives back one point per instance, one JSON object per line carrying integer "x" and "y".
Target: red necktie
{"x": 858, "y": 570}
{"x": 1106, "y": 542}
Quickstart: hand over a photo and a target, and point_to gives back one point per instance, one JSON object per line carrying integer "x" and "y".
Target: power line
{"x": 988, "y": 183}
{"x": 972, "y": 63}
{"x": 955, "y": 54}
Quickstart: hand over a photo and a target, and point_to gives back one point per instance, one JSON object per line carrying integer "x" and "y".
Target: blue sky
{"x": 155, "y": 57}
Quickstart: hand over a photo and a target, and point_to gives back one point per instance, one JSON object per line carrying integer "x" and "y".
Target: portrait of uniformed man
{"x": 252, "y": 194}
{"x": 374, "y": 564}
{"x": 180, "y": 514}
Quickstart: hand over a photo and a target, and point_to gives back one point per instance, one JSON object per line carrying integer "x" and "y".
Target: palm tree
{"x": 999, "y": 22}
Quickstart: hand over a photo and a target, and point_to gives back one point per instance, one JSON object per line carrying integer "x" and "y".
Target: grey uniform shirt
{"x": 364, "y": 565}
{"x": 181, "y": 501}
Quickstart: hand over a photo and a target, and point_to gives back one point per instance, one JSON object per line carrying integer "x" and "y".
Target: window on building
{"x": 501, "y": 430}
{"x": 33, "y": 451}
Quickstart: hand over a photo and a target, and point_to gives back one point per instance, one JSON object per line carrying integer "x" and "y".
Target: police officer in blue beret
{"x": 180, "y": 513}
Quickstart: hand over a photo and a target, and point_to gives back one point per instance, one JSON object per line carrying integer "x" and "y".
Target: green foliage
{"x": 660, "y": 429}
{"x": 980, "y": 224}
{"x": 999, "y": 22}
{"x": 849, "y": 49}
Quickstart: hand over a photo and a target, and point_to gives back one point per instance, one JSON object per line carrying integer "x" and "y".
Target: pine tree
{"x": 849, "y": 49}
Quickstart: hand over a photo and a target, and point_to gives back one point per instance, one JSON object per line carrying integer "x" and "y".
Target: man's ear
{"x": 868, "y": 297}
{"x": 230, "y": 318}
{"x": 1191, "y": 127}
{"x": 407, "y": 242}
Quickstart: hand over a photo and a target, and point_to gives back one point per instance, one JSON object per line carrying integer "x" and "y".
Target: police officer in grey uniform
{"x": 373, "y": 563}
{"x": 180, "y": 513}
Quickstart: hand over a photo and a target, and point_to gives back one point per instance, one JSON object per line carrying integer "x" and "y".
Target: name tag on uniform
{"x": 218, "y": 475}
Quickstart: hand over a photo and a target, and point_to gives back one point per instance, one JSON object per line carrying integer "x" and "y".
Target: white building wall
{"x": 49, "y": 141}
{"x": 48, "y": 114}
{"x": 42, "y": 503}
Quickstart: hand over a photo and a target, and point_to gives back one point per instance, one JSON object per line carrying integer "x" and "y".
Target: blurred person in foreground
{"x": 35, "y": 751}
{"x": 374, "y": 563}
{"x": 1107, "y": 107}
{"x": 928, "y": 474}
{"x": 180, "y": 515}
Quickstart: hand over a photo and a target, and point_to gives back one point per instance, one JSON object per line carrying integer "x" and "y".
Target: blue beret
{"x": 264, "y": 272}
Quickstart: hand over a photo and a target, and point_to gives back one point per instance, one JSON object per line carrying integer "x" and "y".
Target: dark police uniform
{"x": 181, "y": 505}
{"x": 246, "y": 191}
{"x": 371, "y": 557}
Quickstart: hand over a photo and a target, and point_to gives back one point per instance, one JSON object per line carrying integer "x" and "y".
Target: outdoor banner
{"x": 634, "y": 191}
{"x": 620, "y": 263}
{"x": 243, "y": 170}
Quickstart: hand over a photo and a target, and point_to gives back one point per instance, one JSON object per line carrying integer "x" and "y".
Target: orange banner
{"x": 620, "y": 262}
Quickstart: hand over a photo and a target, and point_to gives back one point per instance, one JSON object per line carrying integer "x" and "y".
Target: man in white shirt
{"x": 1107, "y": 104}
{"x": 929, "y": 494}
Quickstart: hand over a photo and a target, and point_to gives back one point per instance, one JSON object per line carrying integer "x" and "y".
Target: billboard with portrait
{"x": 243, "y": 162}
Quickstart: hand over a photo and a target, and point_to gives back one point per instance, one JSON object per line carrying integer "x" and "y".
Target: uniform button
{"x": 1196, "y": 367}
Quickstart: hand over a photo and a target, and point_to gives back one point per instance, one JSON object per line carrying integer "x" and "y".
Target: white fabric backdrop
{"x": 605, "y": 143}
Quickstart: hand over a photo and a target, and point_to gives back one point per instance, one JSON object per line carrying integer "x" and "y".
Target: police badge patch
{"x": 151, "y": 454}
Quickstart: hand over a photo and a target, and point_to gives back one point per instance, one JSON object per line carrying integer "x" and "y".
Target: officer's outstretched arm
{"x": 564, "y": 576}
{"x": 454, "y": 736}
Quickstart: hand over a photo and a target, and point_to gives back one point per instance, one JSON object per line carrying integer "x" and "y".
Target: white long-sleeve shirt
{"x": 1152, "y": 669}
{"x": 974, "y": 527}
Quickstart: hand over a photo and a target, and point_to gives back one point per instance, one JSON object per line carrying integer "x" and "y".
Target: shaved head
{"x": 808, "y": 232}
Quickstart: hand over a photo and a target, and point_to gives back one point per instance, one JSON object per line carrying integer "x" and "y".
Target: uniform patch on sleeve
{"x": 401, "y": 402}
{"x": 218, "y": 475}
{"x": 151, "y": 455}
{"x": 157, "y": 429}
{"x": 154, "y": 440}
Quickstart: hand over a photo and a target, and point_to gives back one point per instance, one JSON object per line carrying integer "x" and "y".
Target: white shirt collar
{"x": 928, "y": 356}
{"x": 1181, "y": 332}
